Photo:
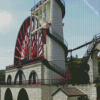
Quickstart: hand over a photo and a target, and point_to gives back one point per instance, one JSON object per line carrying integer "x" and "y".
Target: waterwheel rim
{"x": 29, "y": 46}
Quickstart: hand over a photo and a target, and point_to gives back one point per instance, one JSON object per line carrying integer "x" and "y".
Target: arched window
{"x": 22, "y": 95}
{"x": 20, "y": 78}
{"x": 9, "y": 79}
{"x": 8, "y": 94}
{"x": 33, "y": 78}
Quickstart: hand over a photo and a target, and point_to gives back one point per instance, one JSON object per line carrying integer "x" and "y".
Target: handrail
{"x": 60, "y": 2}
{"x": 60, "y": 70}
{"x": 37, "y": 5}
{"x": 96, "y": 38}
{"x": 60, "y": 38}
{"x": 88, "y": 50}
{"x": 42, "y": 1}
{"x": 70, "y": 50}
{"x": 36, "y": 81}
{"x": 54, "y": 67}
{"x": 96, "y": 35}
{"x": 25, "y": 62}
{"x": 10, "y": 66}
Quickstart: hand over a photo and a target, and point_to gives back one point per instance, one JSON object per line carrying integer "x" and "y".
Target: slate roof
{"x": 70, "y": 92}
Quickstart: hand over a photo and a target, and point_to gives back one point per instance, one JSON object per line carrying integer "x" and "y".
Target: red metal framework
{"x": 29, "y": 46}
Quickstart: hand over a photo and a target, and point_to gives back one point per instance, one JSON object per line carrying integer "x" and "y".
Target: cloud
{"x": 91, "y": 7}
{"x": 6, "y": 56}
{"x": 6, "y": 50}
{"x": 5, "y": 19}
{"x": 5, "y": 61}
{"x": 7, "y": 22}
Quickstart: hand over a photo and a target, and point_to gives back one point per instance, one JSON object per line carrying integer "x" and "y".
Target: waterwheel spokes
{"x": 27, "y": 44}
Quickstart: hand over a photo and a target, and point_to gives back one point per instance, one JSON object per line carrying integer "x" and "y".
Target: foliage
{"x": 2, "y": 75}
{"x": 77, "y": 67}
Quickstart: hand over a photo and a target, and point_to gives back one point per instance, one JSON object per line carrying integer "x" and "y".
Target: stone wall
{"x": 90, "y": 90}
{"x": 49, "y": 74}
{"x": 41, "y": 70}
{"x": 26, "y": 70}
{"x": 93, "y": 72}
{"x": 44, "y": 92}
{"x": 33, "y": 92}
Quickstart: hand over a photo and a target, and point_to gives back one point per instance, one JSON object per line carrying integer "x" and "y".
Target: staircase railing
{"x": 88, "y": 50}
{"x": 60, "y": 38}
{"x": 95, "y": 39}
{"x": 58, "y": 69}
{"x": 54, "y": 67}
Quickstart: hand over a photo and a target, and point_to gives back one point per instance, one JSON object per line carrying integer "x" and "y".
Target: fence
{"x": 36, "y": 81}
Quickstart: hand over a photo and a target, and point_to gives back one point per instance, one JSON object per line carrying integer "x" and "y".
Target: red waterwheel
{"x": 29, "y": 46}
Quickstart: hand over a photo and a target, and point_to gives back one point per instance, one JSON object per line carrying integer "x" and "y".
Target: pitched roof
{"x": 70, "y": 92}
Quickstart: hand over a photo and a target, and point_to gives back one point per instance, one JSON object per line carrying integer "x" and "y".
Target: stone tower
{"x": 51, "y": 12}
{"x": 50, "y": 15}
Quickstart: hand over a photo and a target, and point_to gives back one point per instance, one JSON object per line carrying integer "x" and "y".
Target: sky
{"x": 81, "y": 23}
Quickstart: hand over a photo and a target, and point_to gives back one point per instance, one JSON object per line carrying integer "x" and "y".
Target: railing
{"x": 37, "y": 81}
{"x": 10, "y": 66}
{"x": 58, "y": 69}
{"x": 25, "y": 62}
{"x": 96, "y": 39}
{"x": 37, "y": 5}
{"x": 42, "y": 1}
{"x": 97, "y": 35}
{"x": 60, "y": 38}
{"x": 89, "y": 49}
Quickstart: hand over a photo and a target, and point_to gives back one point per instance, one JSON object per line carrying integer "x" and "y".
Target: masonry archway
{"x": 9, "y": 79}
{"x": 22, "y": 95}
{"x": 33, "y": 78}
{"x": 20, "y": 78}
{"x": 94, "y": 57}
{"x": 8, "y": 95}
{"x": 98, "y": 63}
